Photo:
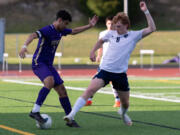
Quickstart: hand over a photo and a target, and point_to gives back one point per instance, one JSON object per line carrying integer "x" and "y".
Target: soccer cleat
{"x": 73, "y": 123}
{"x": 126, "y": 119}
{"x": 117, "y": 104}
{"x": 70, "y": 122}
{"x": 37, "y": 117}
{"x": 88, "y": 103}
{"x": 68, "y": 119}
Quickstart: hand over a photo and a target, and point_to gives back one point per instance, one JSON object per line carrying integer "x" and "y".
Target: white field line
{"x": 152, "y": 78}
{"x": 100, "y": 91}
{"x": 130, "y": 78}
{"x": 165, "y": 87}
{"x": 78, "y": 88}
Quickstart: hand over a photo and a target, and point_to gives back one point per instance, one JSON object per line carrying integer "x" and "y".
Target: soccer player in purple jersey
{"x": 42, "y": 62}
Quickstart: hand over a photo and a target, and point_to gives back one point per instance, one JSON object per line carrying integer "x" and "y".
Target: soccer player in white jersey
{"x": 114, "y": 64}
{"x": 100, "y": 54}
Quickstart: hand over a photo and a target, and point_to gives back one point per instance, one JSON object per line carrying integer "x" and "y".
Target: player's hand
{"x": 143, "y": 6}
{"x": 93, "y": 21}
{"x": 23, "y": 52}
{"x": 92, "y": 56}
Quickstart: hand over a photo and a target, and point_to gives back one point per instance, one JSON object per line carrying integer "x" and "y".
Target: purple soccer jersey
{"x": 42, "y": 62}
{"x": 49, "y": 39}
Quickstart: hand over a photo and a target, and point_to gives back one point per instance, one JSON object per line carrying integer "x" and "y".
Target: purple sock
{"x": 65, "y": 104}
{"x": 42, "y": 95}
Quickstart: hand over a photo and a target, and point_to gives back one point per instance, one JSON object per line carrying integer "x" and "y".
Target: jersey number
{"x": 117, "y": 39}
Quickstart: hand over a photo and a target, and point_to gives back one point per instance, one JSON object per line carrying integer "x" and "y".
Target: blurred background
{"x": 23, "y": 17}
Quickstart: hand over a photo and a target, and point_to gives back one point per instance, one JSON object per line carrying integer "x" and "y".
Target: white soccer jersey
{"x": 119, "y": 49}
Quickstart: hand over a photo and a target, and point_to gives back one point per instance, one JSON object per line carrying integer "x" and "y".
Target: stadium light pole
{"x": 126, "y": 6}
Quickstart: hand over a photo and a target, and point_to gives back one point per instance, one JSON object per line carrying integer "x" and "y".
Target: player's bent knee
{"x": 49, "y": 82}
{"x": 49, "y": 86}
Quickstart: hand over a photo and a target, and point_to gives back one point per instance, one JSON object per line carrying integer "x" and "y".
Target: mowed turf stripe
{"x": 15, "y": 130}
{"x": 101, "y": 115}
{"x": 135, "y": 121}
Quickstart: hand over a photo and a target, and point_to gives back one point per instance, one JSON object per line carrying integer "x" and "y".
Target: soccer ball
{"x": 47, "y": 124}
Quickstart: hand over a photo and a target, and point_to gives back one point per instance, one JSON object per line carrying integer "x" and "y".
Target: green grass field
{"x": 165, "y": 43}
{"x": 86, "y": 60}
{"x": 158, "y": 115}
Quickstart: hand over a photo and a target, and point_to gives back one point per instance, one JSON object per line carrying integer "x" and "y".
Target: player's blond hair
{"x": 123, "y": 18}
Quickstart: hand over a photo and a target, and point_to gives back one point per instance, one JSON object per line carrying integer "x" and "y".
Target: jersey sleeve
{"x": 43, "y": 32}
{"x": 137, "y": 35}
{"x": 101, "y": 35}
{"x": 66, "y": 32}
{"x": 106, "y": 37}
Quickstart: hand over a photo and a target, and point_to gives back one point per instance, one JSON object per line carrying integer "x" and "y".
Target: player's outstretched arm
{"x": 30, "y": 38}
{"x": 92, "y": 23}
{"x": 151, "y": 25}
{"x": 95, "y": 48}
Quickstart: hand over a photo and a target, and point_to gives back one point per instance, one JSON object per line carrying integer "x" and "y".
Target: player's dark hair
{"x": 109, "y": 18}
{"x": 64, "y": 15}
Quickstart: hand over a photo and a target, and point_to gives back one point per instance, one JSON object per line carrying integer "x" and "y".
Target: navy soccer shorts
{"x": 119, "y": 80}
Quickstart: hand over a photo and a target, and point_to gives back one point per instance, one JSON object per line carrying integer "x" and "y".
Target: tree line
{"x": 104, "y": 8}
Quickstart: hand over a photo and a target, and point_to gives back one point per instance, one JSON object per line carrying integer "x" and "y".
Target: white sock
{"x": 80, "y": 102}
{"x": 36, "y": 108}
